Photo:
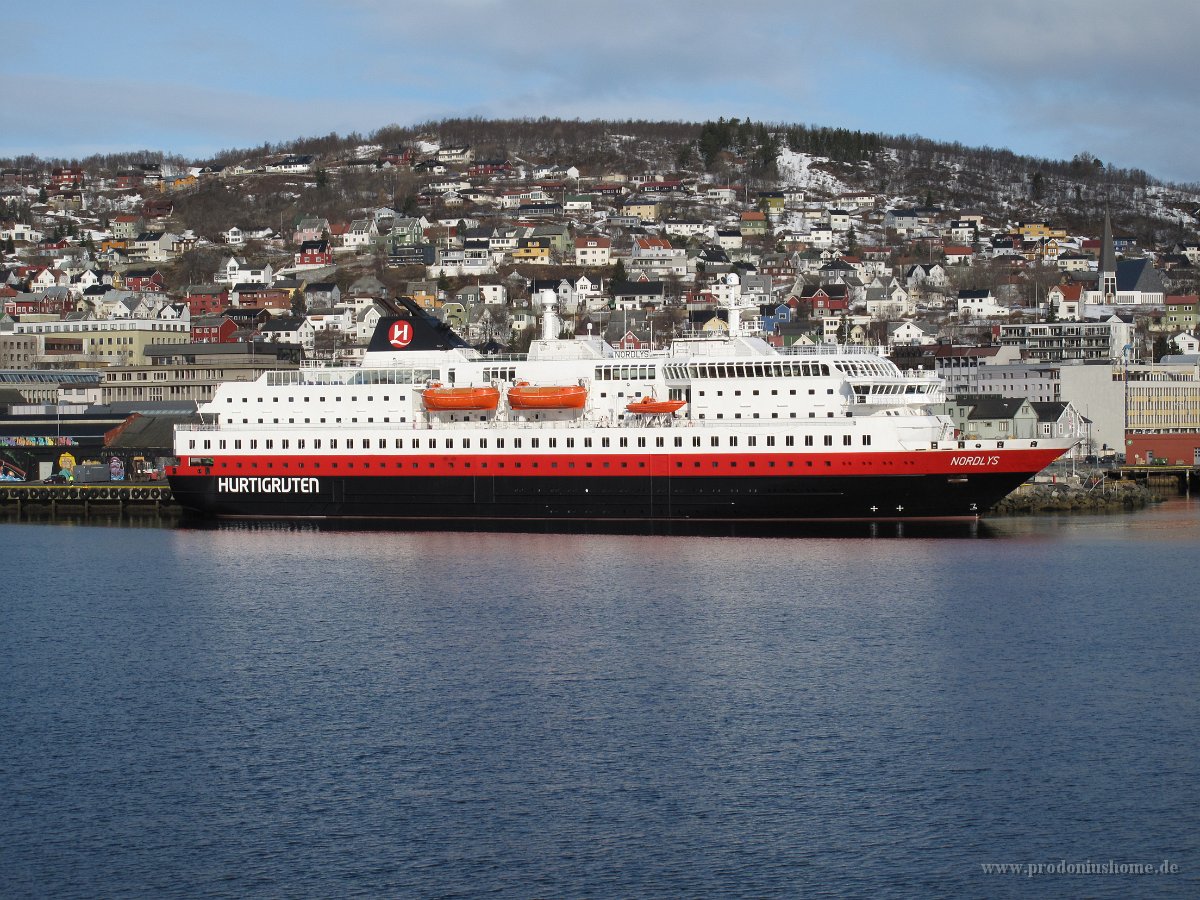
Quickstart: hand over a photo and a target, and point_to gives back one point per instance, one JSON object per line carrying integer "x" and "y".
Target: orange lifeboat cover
{"x": 526, "y": 396}
{"x": 650, "y": 406}
{"x": 444, "y": 399}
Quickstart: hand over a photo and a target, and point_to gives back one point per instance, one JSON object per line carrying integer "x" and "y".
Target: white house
{"x": 979, "y": 305}
{"x": 908, "y": 334}
{"x": 360, "y": 234}
{"x": 237, "y": 271}
{"x": 593, "y": 251}
{"x": 1186, "y": 343}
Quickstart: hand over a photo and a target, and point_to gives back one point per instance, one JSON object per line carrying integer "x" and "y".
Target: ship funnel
{"x": 735, "y": 320}
{"x": 550, "y": 328}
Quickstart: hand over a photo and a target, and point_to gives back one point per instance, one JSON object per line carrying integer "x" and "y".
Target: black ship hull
{"x": 476, "y": 499}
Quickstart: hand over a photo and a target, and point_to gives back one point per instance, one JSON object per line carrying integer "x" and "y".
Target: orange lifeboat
{"x": 524, "y": 395}
{"x": 455, "y": 399}
{"x": 651, "y": 407}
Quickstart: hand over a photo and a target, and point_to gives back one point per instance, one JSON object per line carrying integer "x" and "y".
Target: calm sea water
{"x": 287, "y": 712}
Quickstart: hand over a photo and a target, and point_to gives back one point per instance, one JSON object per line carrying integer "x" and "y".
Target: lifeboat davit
{"x": 527, "y": 396}
{"x": 651, "y": 407}
{"x": 454, "y": 399}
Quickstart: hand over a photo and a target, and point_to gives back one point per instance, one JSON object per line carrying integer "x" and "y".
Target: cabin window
{"x": 828, "y": 440}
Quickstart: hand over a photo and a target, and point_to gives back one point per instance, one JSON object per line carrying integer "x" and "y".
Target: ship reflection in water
{"x": 288, "y": 709}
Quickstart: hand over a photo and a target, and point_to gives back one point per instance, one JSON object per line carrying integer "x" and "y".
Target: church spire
{"x": 1108, "y": 263}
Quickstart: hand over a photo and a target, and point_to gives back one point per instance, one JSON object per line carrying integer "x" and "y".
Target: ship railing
{"x": 832, "y": 350}
{"x": 197, "y": 426}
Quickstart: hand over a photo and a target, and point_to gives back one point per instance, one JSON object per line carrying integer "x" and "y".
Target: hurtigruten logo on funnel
{"x": 400, "y": 335}
{"x": 256, "y": 485}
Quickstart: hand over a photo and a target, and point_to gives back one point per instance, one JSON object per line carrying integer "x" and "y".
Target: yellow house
{"x": 1033, "y": 231}
{"x": 646, "y": 210}
{"x": 176, "y": 184}
{"x": 753, "y": 223}
{"x": 532, "y": 250}
{"x": 425, "y": 296}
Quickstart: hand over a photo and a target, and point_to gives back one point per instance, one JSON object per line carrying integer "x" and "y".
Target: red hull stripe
{"x": 949, "y": 463}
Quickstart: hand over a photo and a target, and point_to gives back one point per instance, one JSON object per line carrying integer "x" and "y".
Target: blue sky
{"x": 1051, "y": 80}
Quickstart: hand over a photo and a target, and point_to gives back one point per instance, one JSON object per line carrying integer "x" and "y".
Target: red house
{"x": 260, "y": 296}
{"x": 157, "y": 210}
{"x": 144, "y": 280}
{"x": 130, "y": 181}
{"x": 826, "y": 300}
{"x": 213, "y": 330}
{"x": 67, "y": 177}
{"x": 314, "y": 253}
{"x": 206, "y": 300}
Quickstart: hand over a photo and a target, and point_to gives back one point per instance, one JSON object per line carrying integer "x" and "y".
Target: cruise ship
{"x": 720, "y": 428}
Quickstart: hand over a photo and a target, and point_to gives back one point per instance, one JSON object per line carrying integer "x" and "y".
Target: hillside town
{"x": 123, "y": 297}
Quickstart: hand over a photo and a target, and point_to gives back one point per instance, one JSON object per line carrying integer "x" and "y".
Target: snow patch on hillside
{"x": 364, "y": 151}
{"x": 796, "y": 170}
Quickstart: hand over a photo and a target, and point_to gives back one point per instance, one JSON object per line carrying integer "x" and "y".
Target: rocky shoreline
{"x": 1105, "y": 496}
